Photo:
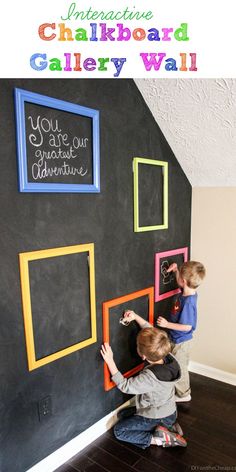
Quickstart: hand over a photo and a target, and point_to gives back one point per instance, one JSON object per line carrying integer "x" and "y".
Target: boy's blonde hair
{"x": 153, "y": 343}
{"x": 193, "y": 272}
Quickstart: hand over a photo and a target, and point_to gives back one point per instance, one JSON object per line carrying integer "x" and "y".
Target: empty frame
{"x": 150, "y": 194}
{"x": 107, "y": 308}
{"x": 165, "y": 282}
{"x": 55, "y": 272}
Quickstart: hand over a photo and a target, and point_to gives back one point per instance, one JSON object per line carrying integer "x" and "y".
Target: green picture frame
{"x": 137, "y": 162}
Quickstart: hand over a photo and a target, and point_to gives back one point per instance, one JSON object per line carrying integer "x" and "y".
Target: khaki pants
{"x": 181, "y": 352}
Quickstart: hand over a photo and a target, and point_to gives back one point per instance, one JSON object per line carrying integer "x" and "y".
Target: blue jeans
{"x": 138, "y": 430}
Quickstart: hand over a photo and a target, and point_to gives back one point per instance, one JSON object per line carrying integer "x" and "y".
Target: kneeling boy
{"x": 153, "y": 421}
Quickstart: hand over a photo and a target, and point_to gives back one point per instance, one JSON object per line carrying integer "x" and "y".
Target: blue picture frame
{"x": 23, "y": 96}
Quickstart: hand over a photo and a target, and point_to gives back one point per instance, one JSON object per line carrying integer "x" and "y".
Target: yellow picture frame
{"x": 24, "y": 259}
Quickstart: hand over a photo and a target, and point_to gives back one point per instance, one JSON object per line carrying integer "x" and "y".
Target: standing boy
{"x": 155, "y": 413}
{"x": 183, "y": 320}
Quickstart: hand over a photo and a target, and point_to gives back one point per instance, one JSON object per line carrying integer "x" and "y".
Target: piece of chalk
{"x": 124, "y": 321}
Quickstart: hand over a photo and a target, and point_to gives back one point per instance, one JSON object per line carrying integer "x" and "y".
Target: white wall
{"x": 214, "y": 244}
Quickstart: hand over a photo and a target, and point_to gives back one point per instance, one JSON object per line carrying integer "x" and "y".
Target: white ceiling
{"x": 198, "y": 119}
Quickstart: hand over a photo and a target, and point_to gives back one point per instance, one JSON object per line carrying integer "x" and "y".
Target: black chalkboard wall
{"x": 124, "y": 261}
{"x": 126, "y": 358}
{"x": 150, "y": 202}
{"x": 60, "y": 302}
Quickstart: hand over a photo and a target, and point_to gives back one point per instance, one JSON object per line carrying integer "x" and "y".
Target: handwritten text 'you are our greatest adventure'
{"x": 55, "y": 153}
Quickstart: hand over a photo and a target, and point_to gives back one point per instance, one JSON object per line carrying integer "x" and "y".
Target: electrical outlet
{"x": 45, "y": 408}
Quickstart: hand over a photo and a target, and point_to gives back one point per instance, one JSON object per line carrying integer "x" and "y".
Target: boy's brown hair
{"x": 153, "y": 343}
{"x": 193, "y": 272}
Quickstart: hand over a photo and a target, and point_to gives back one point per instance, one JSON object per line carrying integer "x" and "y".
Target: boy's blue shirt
{"x": 184, "y": 312}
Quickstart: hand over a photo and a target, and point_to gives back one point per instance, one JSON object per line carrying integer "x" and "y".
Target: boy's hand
{"x": 162, "y": 322}
{"x": 129, "y": 315}
{"x": 173, "y": 268}
{"x": 106, "y": 352}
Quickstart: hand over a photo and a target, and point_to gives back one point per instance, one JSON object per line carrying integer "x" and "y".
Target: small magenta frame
{"x": 158, "y": 257}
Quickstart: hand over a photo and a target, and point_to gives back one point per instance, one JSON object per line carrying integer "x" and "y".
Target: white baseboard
{"x": 70, "y": 449}
{"x": 212, "y": 373}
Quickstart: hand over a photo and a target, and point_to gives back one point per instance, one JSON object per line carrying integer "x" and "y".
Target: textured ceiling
{"x": 198, "y": 119}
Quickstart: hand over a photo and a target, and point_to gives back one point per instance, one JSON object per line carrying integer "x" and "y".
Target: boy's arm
{"x": 130, "y": 315}
{"x": 187, "y": 319}
{"x": 174, "y": 268}
{"x": 142, "y": 383}
{"x": 163, "y": 323}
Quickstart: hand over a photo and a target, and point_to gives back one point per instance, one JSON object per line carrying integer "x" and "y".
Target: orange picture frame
{"x": 108, "y": 384}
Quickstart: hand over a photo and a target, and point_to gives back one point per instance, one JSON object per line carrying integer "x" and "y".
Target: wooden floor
{"x": 209, "y": 425}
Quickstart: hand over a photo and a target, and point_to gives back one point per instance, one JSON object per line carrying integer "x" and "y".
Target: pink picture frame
{"x": 158, "y": 257}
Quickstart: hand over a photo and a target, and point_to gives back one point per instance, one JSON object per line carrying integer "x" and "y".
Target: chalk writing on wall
{"x": 58, "y": 148}
{"x": 167, "y": 277}
{"x": 166, "y": 282}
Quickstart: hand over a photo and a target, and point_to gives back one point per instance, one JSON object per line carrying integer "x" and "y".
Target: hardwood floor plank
{"x": 216, "y": 442}
{"x": 66, "y": 468}
{"x": 96, "y": 468}
{"x": 107, "y": 460}
{"x": 158, "y": 456}
{"x": 81, "y": 463}
{"x": 144, "y": 465}
{"x": 109, "y": 445}
{"x": 203, "y": 455}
